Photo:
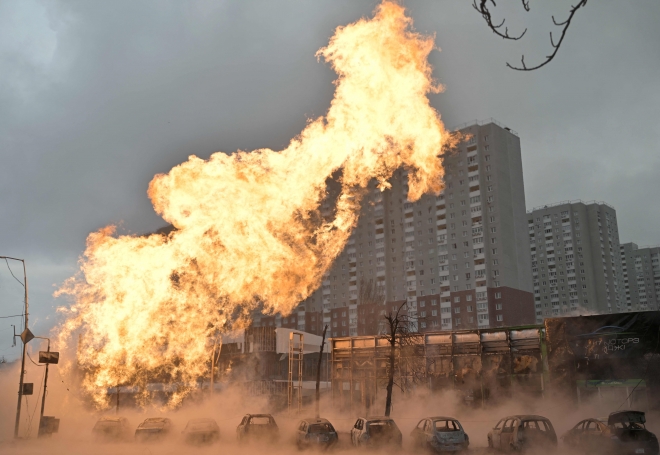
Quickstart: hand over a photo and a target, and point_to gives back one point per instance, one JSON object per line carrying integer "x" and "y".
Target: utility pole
{"x": 26, "y": 336}
{"x": 215, "y": 344}
{"x": 43, "y": 397}
{"x": 318, "y": 374}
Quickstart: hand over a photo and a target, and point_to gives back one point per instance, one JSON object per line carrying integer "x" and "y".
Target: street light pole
{"x": 20, "y": 383}
{"x": 43, "y": 397}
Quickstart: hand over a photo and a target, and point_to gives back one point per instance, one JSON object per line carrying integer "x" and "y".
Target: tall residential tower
{"x": 459, "y": 260}
{"x": 576, "y": 263}
{"x": 641, "y": 277}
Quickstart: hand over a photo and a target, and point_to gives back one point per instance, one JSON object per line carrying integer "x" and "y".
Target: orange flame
{"x": 248, "y": 228}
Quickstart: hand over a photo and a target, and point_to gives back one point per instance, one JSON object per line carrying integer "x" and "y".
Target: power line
{"x": 12, "y": 316}
{"x": 28, "y": 354}
{"x": 12, "y": 273}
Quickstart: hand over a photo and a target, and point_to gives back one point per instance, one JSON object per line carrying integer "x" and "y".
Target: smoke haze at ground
{"x": 229, "y": 406}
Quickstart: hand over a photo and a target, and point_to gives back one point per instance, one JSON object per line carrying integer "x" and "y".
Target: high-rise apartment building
{"x": 641, "y": 277}
{"x": 459, "y": 260}
{"x": 576, "y": 263}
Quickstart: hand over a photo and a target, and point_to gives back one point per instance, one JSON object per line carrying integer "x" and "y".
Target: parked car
{"x": 316, "y": 432}
{"x": 621, "y": 433}
{"x": 375, "y": 432}
{"x": 201, "y": 431}
{"x": 112, "y": 429}
{"x": 440, "y": 434}
{"x": 257, "y": 426}
{"x": 153, "y": 429}
{"x": 516, "y": 433}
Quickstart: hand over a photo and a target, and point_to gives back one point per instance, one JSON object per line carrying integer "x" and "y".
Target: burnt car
{"x": 201, "y": 431}
{"x": 376, "y": 432}
{"x": 521, "y": 432}
{"x": 316, "y": 433}
{"x": 621, "y": 433}
{"x": 257, "y": 427}
{"x": 111, "y": 429}
{"x": 153, "y": 429}
{"x": 440, "y": 434}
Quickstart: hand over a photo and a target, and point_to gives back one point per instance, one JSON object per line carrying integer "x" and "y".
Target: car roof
{"x": 626, "y": 417}
{"x": 202, "y": 420}
{"x": 316, "y": 420}
{"x": 440, "y": 418}
{"x": 526, "y": 417}
{"x": 378, "y": 418}
{"x": 259, "y": 415}
{"x": 156, "y": 419}
{"x": 111, "y": 419}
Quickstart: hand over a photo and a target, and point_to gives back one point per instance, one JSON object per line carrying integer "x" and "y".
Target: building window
{"x": 457, "y": 310}
{"x": 498, "y": 306}
{"x": 469, "y": 308}
{"x": 500, "y": 318}
{"x": 498, "y": 295}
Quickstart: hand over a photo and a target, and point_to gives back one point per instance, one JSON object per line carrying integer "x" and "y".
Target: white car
{"x": 440, "y": 434}
{"x": 375, "y": 432}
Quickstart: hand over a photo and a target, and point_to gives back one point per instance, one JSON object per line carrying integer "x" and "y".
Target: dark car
{"x": 376, "y": 432}
{"x": 440, "y": 434}
{"x": 112, "y": 429}
{"x": 520, "y": 432}
{"x": 153, "y": 429}
{"x": 201, "y": 431}
{"x": 257, "y": 427}
{"x": 316, "y": 432}
{"x": 621, "y": 433}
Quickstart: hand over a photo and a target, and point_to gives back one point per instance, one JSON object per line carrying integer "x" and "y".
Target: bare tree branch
{"x": 548, "y": 58}
{"x": 482, "y": 8}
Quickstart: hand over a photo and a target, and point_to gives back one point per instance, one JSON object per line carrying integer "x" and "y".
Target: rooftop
{"x": 483, "y": 122}
{"x": 575, "y": 201}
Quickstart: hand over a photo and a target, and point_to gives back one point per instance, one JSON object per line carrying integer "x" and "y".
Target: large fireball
{"x": 248, "y": 228}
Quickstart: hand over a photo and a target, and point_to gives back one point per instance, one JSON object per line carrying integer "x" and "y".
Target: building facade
{"x": 641, "y": 277}
{"x": 576, "y": 263}
{"x": 458, "y": 260}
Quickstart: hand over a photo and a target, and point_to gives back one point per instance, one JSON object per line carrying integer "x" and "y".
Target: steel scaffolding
{"x": 296, "y": 359}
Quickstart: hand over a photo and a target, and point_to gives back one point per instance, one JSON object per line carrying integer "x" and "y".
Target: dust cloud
{"x": 229, "y": 405}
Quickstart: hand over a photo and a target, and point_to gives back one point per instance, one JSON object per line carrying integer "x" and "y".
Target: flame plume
{"x": 248, "y": 227}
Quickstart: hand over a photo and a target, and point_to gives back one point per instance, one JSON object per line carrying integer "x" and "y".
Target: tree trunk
{"x": 318, "y": 374}
{"x": 390, "y": 379}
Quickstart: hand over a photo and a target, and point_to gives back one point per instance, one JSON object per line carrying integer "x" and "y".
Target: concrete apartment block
{"x": 459, "y": 260}
{"x": 576, "y": 263}
{"x": 641, "y": 277}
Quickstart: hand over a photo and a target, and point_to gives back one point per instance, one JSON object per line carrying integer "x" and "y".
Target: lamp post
{"x": 44, "y": 359}
{"x": 26, "y": 336}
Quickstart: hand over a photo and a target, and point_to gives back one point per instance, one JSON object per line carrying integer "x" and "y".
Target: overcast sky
{"x": 96, "y": 97}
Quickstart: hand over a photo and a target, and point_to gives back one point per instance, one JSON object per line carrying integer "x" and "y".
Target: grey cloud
{"x": 111, "y": 93}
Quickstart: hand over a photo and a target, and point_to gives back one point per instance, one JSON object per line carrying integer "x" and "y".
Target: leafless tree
{"x": 482, "y": 7}
{"x": 401, "y": 329}
{"x": 318, "y": 372}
